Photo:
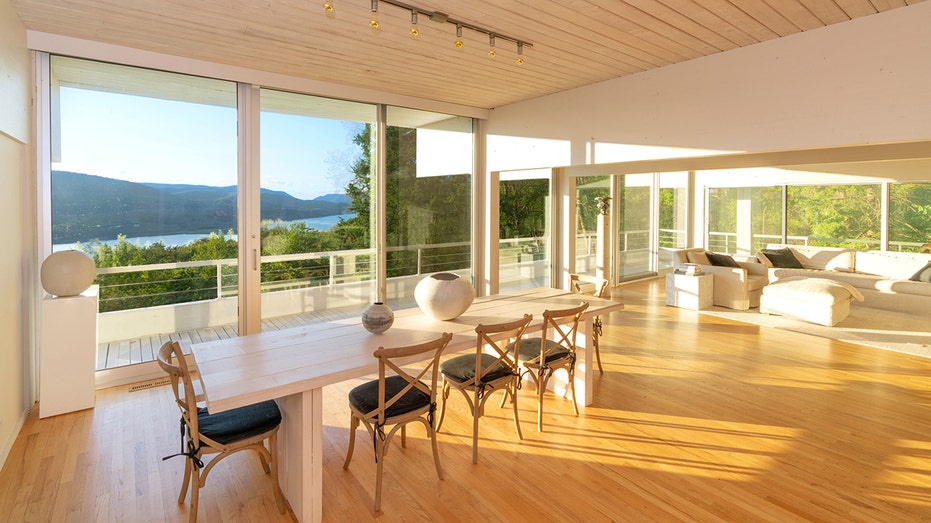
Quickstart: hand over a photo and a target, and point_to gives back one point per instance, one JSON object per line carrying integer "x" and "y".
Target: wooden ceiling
{"x": 574, "y": 42}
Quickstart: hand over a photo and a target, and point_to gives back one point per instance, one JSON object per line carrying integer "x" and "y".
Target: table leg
{"x": 584, "y": 367}
{"x": 300, "y": 454}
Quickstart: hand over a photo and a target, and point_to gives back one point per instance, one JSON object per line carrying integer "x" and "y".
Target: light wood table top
{"x": 258, "y": 367}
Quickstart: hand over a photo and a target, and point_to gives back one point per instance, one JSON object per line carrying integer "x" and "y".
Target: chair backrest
{"x": 501, "y": 340}
{"x": 564, "y": 324}
{"x": 393, "y": 358}
{"x": 171, "y": 360}
{"x": 599, "y": 285}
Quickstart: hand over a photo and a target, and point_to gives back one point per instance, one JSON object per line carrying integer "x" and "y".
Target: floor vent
{"x": 150, "y": 384}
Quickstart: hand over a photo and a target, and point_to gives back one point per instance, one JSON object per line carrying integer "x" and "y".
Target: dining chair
{"x": 542, "y": 356}
{"x": 596, "y": 287}
{"x": 397, "y": 400}
{"x": 492, "y": 367}
{"x": 222, "y": 433}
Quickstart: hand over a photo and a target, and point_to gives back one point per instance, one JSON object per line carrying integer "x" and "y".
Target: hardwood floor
{"x": 696, "y": 418}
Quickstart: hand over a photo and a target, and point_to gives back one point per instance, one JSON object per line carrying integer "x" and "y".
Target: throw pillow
{"x": 698, "y": 258}
{"x": 782, "y": 258}
{"x": 721, "y": 260}
{"x": 923, "y": 274}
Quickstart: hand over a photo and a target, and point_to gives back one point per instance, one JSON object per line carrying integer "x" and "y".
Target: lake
{"x": 322, "y": 223}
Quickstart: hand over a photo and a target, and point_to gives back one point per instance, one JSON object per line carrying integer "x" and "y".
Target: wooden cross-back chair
{"x": 397, "y": 400}
{"x": 223, "y": 433}
{"x": 543, "y": 356}
{"x": 492, "y": 367}
{"x": 598, "y": 288}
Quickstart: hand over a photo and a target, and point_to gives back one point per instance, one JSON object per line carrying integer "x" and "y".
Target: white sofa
{"x": 881, "y": 277}
{"x": 734, "y": 287}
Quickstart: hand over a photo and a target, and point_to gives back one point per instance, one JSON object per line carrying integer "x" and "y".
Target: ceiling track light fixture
{"x": 373, "y": 23}
{"x": 415, "y": 31}
{"x": 458, "y": 42}
{"x": 443, "y": 18}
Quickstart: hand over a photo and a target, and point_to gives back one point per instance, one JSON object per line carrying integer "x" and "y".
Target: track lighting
{"x": 441, "y": 18}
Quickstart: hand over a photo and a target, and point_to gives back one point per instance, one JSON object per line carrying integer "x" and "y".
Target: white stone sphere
{"x": 444, "y": 295}
{"x": 67, "y": 273}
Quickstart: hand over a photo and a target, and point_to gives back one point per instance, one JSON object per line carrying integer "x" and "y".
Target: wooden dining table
{"x": 293, "y": 365}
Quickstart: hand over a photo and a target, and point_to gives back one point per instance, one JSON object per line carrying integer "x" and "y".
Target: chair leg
{"x": 541, "y": 387}
{"x": 379, "y": 468}
{"x": 187, "y": 480}
{"x": 444, "y": 397}
{"x": 195, "y": 493}
{"x": 436, "y": 453}
{"x": 597, "y": 352}
{"x": 476, "y": 414}
{"x": 575, "y": 404}
{"x": 353, "y": 425}
{"x": 273, "y": 452}
{"x": 512, "y": 392}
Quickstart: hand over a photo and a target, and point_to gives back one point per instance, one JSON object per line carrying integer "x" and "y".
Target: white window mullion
{"x": 249, "y": 218}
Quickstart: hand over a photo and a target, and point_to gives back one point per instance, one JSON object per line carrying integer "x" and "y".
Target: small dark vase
{"x": 377, "y": 318}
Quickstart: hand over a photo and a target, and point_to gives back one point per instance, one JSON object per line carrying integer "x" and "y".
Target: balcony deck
{"x": 121, "y": 353}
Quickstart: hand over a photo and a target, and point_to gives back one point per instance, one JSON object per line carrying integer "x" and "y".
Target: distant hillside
{"x": 87, "y": 207}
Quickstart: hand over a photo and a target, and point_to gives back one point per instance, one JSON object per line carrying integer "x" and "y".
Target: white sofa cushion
{"x": 822, "y": 258}
{"x": 895, "y": 265}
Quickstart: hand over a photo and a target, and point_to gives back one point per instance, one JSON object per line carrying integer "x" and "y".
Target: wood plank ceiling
{"x": 574, "y": 42}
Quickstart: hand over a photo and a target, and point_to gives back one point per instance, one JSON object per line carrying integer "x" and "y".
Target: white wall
{"x": 15, "y": 396}
{"x": 863, "y": 81}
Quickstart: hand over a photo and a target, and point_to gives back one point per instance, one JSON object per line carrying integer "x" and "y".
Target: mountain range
{"x": 87, "y": 207}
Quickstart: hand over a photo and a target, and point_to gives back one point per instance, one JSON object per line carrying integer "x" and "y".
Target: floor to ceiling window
{"x": 144, "y": 178}
{"x": 910, "y": 217}
{"x": 673, "y": 215}
{"x": 316, "y": 230}
{"x": 587, "y": 192}
{"x": 525, "y": 251}
{"x": 429, "y": 165}
{"x": 835, "y": 215}
{"x": 634, "y": 210}
{"x": 743, "y": 220}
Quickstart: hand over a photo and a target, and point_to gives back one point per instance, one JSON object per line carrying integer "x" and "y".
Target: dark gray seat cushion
{"x": 462, "y": 368}
{"x": 364, "y": 398}
{"x": 238, "y": 424}
{"x": 529, "y": 349}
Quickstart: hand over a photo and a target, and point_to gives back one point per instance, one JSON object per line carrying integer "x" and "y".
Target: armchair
{"x": 734, "y": 287}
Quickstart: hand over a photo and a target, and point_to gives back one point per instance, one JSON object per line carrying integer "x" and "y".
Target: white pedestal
{"x": 690, "y": 292}
{"x": 68, "y": 356}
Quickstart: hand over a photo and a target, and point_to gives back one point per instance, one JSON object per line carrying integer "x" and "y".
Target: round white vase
{"x": 67, "y": 273}
{"x": 377, "y": 318}
{"x": 444, "y": 295}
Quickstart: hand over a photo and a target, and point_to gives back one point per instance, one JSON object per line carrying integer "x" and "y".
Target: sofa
{"x": 887, "y": 280}
{"x": 738, "y": 283}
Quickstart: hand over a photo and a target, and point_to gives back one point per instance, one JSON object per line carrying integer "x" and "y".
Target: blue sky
{"x": 152, "y": 140}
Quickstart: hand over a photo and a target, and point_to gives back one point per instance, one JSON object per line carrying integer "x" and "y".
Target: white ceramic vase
{"x": 377, "y": 318}
{"x": 67, "y": 273}
{"x": 444, "y": 295}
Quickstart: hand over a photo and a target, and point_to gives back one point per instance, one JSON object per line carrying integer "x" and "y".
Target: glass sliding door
{"x": 634, "y": 215}
{"x": 673, "y": 215}
{"x": 525, "y": 253}
{"x": 587, "y": 191}
{"x": 144, "y": 179}
{"x": 429, "y": 171}
{"x": 316, "y": 230}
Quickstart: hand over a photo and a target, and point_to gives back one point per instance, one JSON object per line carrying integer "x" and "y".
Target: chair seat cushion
{"x": 238, "y": 424}
{"x": 461, "y": 369}
{"x": 364, "y": 398}
{"x": 529, "y": 349}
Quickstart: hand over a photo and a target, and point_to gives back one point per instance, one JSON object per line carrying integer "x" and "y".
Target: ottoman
{"x": 816, "y": 300}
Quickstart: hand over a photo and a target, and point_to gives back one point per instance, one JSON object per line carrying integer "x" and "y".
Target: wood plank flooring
{"x": 695, "y": 419}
